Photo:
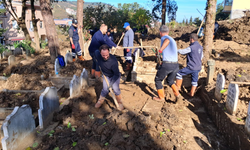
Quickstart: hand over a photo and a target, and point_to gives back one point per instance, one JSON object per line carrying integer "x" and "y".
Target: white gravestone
{"x": 11, "y": 60}
{"x": 48, "y": 104}
{"x": 57, "y": 67}
{"x": 247, "y": 124}
{"x": 6, "y": 54}
{"x": 68, "y": 58}
{"x": 84, "y": 79}
{"x": 220, "y": 83}
{"x": 74, "y": 86}
{"x": 18, "y": 129}
{"x": 232, "y": 98}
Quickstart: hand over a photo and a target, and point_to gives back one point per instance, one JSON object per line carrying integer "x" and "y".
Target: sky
{"x": 186, "y": 8}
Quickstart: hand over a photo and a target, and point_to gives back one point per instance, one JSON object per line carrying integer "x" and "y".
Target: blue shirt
{"x": 128, "y": 38}
{"x": 109, "y": 67}
{"x": 170, "y": 52}
{"x": 98, "y": 40}
{"x": 194, "y": 55}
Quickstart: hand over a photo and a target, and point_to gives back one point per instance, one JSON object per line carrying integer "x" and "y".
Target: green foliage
{"x": 186, "y": 21}
{"x": 132, "y": 13}
{"x": 3, "y": 48}
{"x": 17, "y": 44}
{"x": 219, "y": 14}
{"x": 43, "y": 44}
{"x": 191, "y": 20}
{"x": 26, "y": 45}
{"x": 56, "y": 148}
{"x": 2, "y": 30}
{"x": 74, "y": 144}
{"x": 197, "y": 21}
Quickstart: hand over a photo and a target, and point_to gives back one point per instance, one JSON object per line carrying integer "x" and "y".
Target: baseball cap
{"x": 74, "y": 21}
{"x": 126, "y": 24}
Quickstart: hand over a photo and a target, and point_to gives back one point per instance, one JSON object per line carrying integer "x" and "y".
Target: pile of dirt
{"x": 235, "y": 30}
{"x": 11, "y": 100}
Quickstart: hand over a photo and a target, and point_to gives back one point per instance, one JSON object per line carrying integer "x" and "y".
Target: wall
{"x": 238, "y": 7}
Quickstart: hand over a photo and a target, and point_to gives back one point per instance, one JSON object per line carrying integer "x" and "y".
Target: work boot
{"x": 128, "y": 68}
{"x": 176, "y": 93}
{"x": 97, "y": 74}
{"x": 74, "y": 59}
{"x": 99, "y": 102}
{"x": 80, "y": 58}
{"x": 193, "y": 88}
{"x": 160, "y": 95}
{"x": 92, "y": 73}
{"x": 179, "y": 83}
{"x": 119, "y": 101}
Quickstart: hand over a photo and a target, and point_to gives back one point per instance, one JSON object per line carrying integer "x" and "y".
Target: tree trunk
{"x": 163, "y": 16}
{"x": 34, "y": 22}
{"x": 209, "y": 29}
{"x": 21, "y": 21}
{"x": 80, "y": 21}
{"x": 50, "y": 28}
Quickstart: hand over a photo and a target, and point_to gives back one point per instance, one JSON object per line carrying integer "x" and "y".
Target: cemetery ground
{"x": 144, "y": 124}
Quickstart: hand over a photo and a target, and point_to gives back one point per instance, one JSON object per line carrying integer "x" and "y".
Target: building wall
{"x": 13, "y": 32}
{"x": 238, "y": 8}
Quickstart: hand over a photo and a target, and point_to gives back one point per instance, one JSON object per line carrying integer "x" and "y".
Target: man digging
{"x": 98, "y": 39}
{"x": 169, "y": 66}
{"x": 74, "y": 41}
{"x": 109, "y": 67}
{"x": 194, "y": 56}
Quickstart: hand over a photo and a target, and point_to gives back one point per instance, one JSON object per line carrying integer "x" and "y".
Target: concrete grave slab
{"x": 153, "y": 109}
{"x": 6, "y": 54}
{"x": 74, "y": 86}
{"x": 247, "y": 124}
{"x": 68, "y": 58}
{"x": 11, "y": 60}
{"x": 48, "y": 104}
{"x": 232, "y": 98}
{"x": 18, "y": 129}
{"x": 84, "y": 79}
{"x": 220, "y": 83}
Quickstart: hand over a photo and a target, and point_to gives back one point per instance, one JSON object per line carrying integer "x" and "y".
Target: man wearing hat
{"x": 128, "y": 42}
{"x": 74, "y": 40}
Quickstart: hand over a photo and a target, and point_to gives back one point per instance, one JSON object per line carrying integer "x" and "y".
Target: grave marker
{"x": 247, "y": 124}
{"x": 18, "y": 51}
{"x": 18, "y": 129}
{"x": 57, "y": 67}
{"x": 11, "y": 60}
{"x": 6, "y": 54}
{"x": 84, "y": 79}
{"x": 68, "y": 58}
{"x": 48, "y": 104}
{"x": 74, "y": 85}
{"x": 220, "y": 83}
{"x": 232, "y": 98}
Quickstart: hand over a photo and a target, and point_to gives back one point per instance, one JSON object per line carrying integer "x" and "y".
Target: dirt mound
{"x": 235, "y": 30}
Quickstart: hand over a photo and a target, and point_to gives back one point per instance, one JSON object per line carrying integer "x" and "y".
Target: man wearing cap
{"x": 98, "y": 39}
{"x": 169, "y": 65}
{"x": 128, "y": 42}
{"x": 74, "y": 40}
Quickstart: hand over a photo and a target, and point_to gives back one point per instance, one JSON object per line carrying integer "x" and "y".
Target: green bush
{"x": 17, "y": 44}
{"x": 26, "y": 45}
{"x": 43, "y": 44}
{"x": 3, "y": 48}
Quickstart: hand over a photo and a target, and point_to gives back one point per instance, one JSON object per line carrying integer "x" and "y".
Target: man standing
{"x": 74, "y": 40}
{"x": 194, "y": 56}
{"x": 128, "y": 42}
{"x": 109, "y": 67}
{"x": 169, "y": 65}
{"x": 99, "y": 38}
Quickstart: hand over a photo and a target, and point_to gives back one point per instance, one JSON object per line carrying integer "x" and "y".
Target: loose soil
{"x": 182, "y": 125}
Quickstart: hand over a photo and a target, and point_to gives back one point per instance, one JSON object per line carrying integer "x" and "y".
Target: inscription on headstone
{"x": 84, "y": 79}
{"x": 11, "y": 60}
{"x": 18, "y": 129}
{"x": 220, "y": 83}
{"x": 48, "y": 104}
{"x": 247, "y": 124}
{"x": 74, "y": 86}
{"x": 57, "y": 67}
{"x": 232, "y": 98}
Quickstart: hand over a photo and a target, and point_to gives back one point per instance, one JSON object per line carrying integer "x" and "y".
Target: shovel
{"x": 110, "y": 89}
{"x": 118, "y": 42}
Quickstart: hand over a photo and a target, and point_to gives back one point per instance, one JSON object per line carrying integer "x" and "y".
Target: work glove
{"x": 73, "y": 46}
{"x": 160, "y": 51}
{"x": 128, "y": 50}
